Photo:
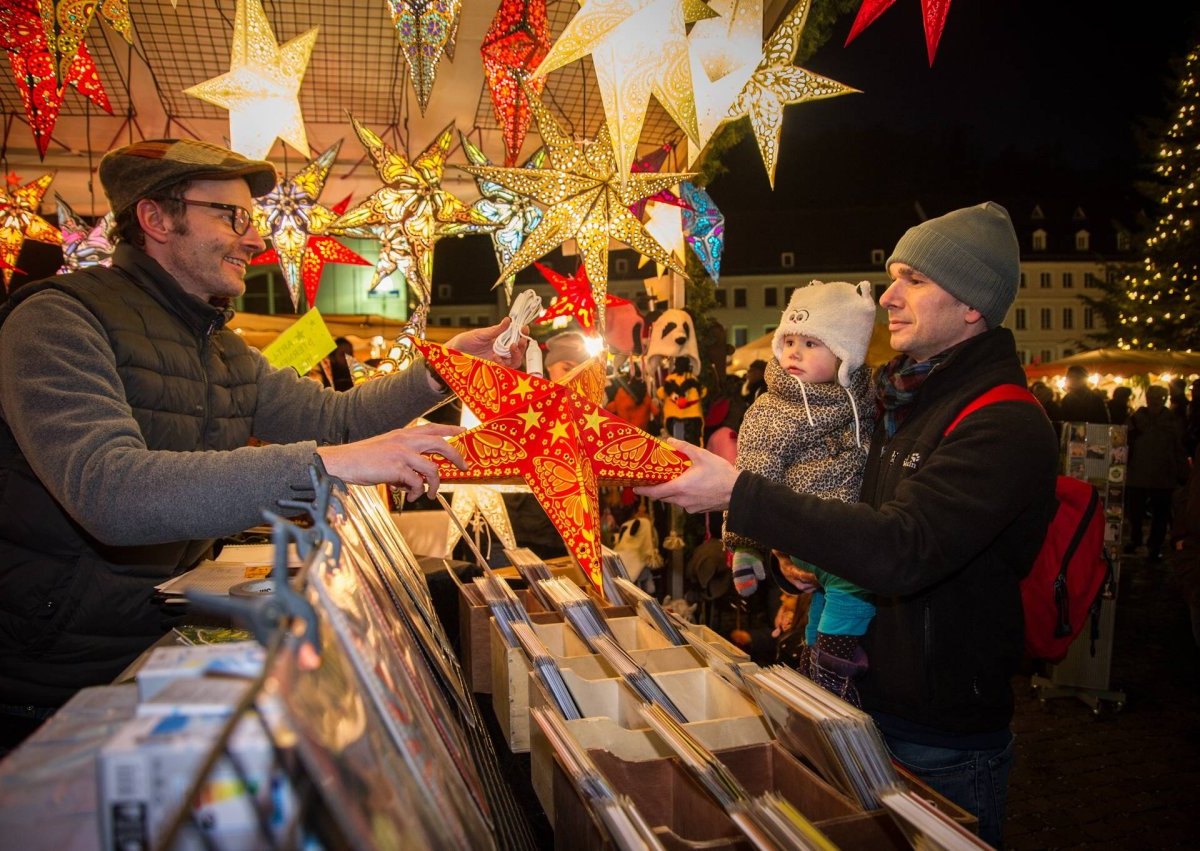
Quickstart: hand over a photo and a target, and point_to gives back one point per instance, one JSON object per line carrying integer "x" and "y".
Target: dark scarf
{"x": 897, "y": 383}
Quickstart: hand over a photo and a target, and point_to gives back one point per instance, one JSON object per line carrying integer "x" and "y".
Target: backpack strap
{"x": 999, "y": 393}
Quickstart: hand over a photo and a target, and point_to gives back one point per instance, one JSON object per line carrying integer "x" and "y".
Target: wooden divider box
{"x": 511, "y": 669}
{"x": 719, "y": 716}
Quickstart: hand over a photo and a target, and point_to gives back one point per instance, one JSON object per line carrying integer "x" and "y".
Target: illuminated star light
{"x": 574, "y": 299}
{"x": 65, "y": 22}
{"x": 426, "y": 29}
{"x": 586, "y": 199}
{"x": 83, "y": 245}
{"x": 513, "y": 46}
{"x": 515, "y": 216}
{"x": 725, "y": 51}
{"x": 703, "y": 228}
{"x": 649, "y": 164}
{"x": 933, "y": 15}
{"x": 411, "y": 212}
{"x": 318, "y": 250}
{"x": 777, "y": 83}
{"x": 638, "y": 48}
{"x": 562, "y": 444}
{"x": 261, "y": 90}
{"x": 19, "y": 220}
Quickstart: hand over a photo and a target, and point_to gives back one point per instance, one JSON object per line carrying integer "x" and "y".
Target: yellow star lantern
{"x": 19, "y": 220}
{"x": 562, "y": 444}
{"x": 411, "y": 212}
{"x": 776, "y": 83}
{"x": 586, "y": 199}
{"x": 261, "y": 90}
{"x": 638, "y": 48}
{"x": 66, "y": 23}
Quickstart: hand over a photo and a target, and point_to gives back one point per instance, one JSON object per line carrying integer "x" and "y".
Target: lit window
{"x": 1039, "y": 240}
{"x": 1083, "y": 240}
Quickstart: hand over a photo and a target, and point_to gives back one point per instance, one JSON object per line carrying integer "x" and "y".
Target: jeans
{"x": 975, "y": 780}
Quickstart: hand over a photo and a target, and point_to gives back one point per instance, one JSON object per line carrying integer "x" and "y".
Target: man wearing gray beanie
{"x": 949, "y": 521}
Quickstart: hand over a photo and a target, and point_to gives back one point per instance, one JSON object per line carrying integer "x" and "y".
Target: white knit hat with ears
{"x": 840, "y": 315}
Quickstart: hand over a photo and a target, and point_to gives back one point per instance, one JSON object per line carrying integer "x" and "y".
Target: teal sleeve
{"x": 848, "y": 608}
{"x": 815, "y": 607}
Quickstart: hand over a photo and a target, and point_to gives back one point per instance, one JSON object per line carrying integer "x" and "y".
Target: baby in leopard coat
{"x": 811, "y": 431}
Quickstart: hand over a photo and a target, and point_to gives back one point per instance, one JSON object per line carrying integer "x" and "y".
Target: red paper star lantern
{"x": 64, "y": 23}
{"x": 516, "y": 42}
{"x": 559, "y": 442}
{"x": 318, "y": 251}
{"x": 33, "y": 68}
{"x": 575, "y": 298}
{"x": 933, "y": 13}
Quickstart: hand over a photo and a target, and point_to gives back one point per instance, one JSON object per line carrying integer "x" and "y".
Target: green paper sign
{"x": 302, "y": 345}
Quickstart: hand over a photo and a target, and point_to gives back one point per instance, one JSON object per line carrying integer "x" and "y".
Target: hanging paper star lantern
{"x": 261, "y": 90}
{"x": 19, "y": 220}
{"x": 777, "y": 83}
{"x": 587, "y": 199}
{"x": 638, "y": 48}
{"x": 574, "y": 299}
{"x": 426, "y": 29}
{"x": 933, "y": 14}
{"x": 664, "y": 222}
{"x": 562, "y": 444}
{"x": 411, "y": 212}
{"x": 83, "y": 246}
{"x": 725, "y": 52}
{"x": 318, "y": 250}
{"x": 703, "y": 228}
{"x": 33, "y": 68}
{"x": 65, "y": 22}
{"x": 514, "y": 216}
{"x": 514, "y": 44}
{"x": 651, "y": 164}
{"x": 289, "y": 214}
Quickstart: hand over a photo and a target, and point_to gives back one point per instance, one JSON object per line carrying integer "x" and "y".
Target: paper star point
{"x": 933, "y": 15}
{"x": 83, "y": 245}
{"x": 19, "y": 220}
{"x": 426, "y": 29}
{"x": 261, "y": 89}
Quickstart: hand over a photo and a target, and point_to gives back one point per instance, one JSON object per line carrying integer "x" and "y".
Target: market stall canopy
{"x": 878, "y": 352}
{"x": 1122, "y": 362}
{"x": 259, "y": 330}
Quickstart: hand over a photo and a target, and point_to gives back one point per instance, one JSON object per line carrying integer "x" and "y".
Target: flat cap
{"x": 144, "y": 168}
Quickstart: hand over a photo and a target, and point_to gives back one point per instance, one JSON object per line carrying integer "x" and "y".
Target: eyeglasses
{"x": 239, "y": 217}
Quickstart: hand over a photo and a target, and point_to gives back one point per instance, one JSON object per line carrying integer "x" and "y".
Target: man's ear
{"x": 972, "y": 315}
{"x": 154, "y": 221}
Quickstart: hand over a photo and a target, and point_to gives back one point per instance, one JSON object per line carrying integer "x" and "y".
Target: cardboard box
{"x": 145, "y": 769}
{"x": 720, "y": 717}
{"x": 511, "y": 669}
{"x": 683, "y": 816}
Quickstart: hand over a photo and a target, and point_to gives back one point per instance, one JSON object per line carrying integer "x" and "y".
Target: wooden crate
{"x": 510, "y": 670}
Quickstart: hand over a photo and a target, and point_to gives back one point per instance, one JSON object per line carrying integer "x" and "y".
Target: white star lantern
{"x": 261, "y": 90}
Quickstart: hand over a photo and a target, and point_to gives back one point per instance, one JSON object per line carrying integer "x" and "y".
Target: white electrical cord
{"x": 526, "y": 307}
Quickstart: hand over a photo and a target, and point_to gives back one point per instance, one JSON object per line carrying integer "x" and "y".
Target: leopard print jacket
{"x": 823, "y": 458}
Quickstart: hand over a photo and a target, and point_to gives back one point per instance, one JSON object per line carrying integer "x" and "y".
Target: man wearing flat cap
{"x": 126, "y": 414}
{"x": 949, "y": 520}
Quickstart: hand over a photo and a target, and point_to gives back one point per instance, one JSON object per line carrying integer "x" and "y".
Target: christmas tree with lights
{"x": 1158, "y": 304}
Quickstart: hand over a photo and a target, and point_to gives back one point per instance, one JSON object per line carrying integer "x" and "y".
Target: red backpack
{"x": 1072, "y": 570}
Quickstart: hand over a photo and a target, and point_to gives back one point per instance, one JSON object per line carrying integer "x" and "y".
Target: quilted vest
{"x": 74, "y": 611}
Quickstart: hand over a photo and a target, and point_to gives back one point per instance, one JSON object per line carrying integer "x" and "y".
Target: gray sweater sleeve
{"x": 65, "y": 403}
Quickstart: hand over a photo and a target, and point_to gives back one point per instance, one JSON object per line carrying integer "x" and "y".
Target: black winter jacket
{"x": 945, "y": 530}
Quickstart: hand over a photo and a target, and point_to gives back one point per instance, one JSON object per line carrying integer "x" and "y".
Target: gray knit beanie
{"x": 971, "y": 253}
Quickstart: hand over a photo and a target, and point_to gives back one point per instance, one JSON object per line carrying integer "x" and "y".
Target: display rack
{"x": 1097, "y": 453}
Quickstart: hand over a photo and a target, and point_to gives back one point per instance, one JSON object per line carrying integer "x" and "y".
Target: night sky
{"x": 1021, "y": 91}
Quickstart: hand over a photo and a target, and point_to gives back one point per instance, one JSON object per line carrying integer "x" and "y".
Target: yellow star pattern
{"x": 19, "y": 220}
{"x": 585, "y": 199}
{"x": 261, "y": 90}
{"x": 777, "y": 83}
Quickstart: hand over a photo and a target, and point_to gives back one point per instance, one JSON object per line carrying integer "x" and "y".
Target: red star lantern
{"x": 19, "y": 220}
{"x": 516, "y": 42}
{"x": 559, "y": 442}
{"x": 575, "y": 298}
{"x": 933, "y": 13}
{"x": 64, "y": 23}
{"x": 33, "y": 68}
{"x": 318, "y": 251}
